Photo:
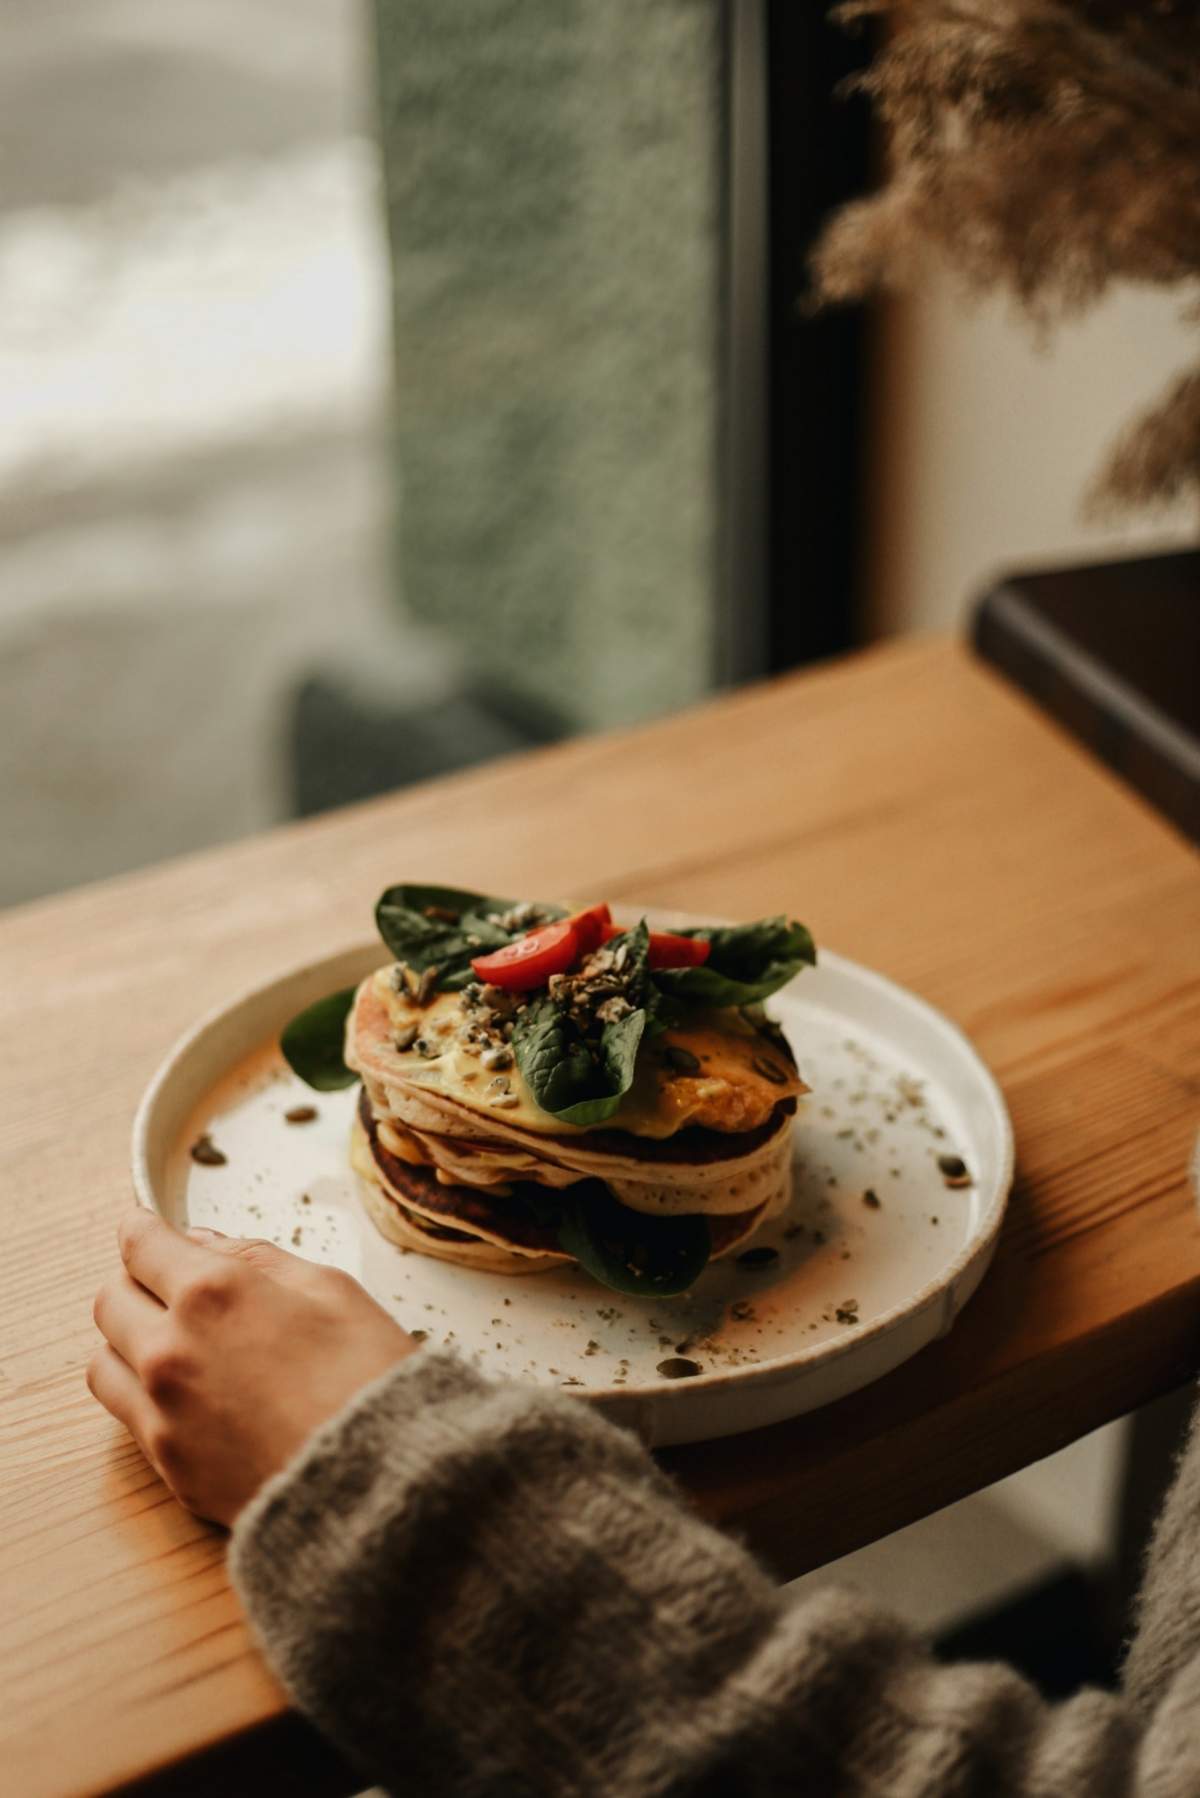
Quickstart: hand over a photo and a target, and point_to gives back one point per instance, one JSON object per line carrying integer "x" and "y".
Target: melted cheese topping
{"x": 741, "y": 1076}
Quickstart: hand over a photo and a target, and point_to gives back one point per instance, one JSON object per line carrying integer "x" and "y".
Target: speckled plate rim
{"x": 866, "y": 1353}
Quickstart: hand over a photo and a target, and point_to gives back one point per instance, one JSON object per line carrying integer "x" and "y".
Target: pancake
{"x": 740, "y": 1073}
{"x": 695, "y": 1169}
{"x": 497, "y": 1233}
{"x": 400, "y": 1225}
{"x": 457, "y": 1160}
{"x": 505, "y": 1219}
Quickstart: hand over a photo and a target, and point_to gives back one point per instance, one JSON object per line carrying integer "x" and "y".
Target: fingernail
{"x": 198, "y": 1233}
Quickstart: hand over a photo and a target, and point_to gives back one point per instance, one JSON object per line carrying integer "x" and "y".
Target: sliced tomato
{"x": 531, "y": 959}
{"x": 670, "y": 951}
{"x": 591, "y": 927}
{"x": 667, "y": 950}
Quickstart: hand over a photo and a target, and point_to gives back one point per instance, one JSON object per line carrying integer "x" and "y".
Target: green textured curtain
{"x": 554, "y": 204}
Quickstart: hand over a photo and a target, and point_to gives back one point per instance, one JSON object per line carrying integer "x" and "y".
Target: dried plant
{"x": 1050, "y": 148}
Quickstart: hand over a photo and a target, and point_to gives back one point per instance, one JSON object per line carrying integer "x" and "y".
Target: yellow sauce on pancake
{"x": 741, "y": 1076}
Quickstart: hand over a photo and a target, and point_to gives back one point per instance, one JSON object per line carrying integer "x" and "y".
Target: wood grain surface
{"x": 923, "y": 819}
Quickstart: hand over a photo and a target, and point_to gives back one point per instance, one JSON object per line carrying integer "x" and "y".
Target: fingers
{"x": 129, "y": 1316}
{"x": 252, "y": 1250}
{"x": 167, "y": 1262}
{"x": 114, "y": 1383}
{"x": 159, "y": 1258}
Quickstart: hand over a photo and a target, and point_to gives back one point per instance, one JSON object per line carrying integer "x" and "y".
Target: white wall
{"x": 984, "y": 445}
{"x": 985, "y": 442}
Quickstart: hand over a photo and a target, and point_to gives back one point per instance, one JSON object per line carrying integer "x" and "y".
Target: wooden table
{"x": 922, "y": 818}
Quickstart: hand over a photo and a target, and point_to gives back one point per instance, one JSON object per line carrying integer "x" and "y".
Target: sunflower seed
{"x": 682, "y": 1060}
{"x": 425, "y": 986}
{"x": 300, "y": 1114}
{"x": 404, "y": 1039}
{"x": 770, "y": 1070}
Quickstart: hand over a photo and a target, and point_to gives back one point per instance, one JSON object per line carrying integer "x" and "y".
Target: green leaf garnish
{"x": 629, "y": 1251}
{"x": 444, "y": 927}
{"x": 746, "y": 962}
{"x": 313, "y": 1043}
{"x": 553, "y": 1059}
{"x": 579, "y": 1080}
{"x": 574, "y": 1080}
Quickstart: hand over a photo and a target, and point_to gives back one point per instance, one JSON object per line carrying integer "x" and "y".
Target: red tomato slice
{"x": 669, "y": 951}
{"x": 591, "y": 926}
{"x": 531, "y": 960}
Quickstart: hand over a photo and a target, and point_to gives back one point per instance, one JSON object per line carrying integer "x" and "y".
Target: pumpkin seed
{"x": 441, "y": 914}
{"x": 757, "y": 1257}
{"x": 954, "y": 1171}
{"x": 205, "y": 1151}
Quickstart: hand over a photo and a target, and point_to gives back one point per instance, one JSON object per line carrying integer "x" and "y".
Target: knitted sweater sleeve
{"x": 478, "y": 1589}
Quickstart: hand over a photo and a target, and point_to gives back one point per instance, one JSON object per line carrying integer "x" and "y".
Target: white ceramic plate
{"x": 874, "y": 1259}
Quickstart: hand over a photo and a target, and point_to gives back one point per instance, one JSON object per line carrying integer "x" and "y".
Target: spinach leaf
{"x": 619, "y": 1044}
{"x": 622, "y": 1249}
{"x": 629, "y": 1251}
{"x": 443, "y": 927}
{"x": 313, "y": 1042}
{"x": 577, "y": 1081}
{"x": 746, "y": 962}
{"x": 552, "y": 1056}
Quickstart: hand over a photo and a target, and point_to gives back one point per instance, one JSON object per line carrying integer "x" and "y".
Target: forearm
{"x": 1167, "y": 1619}
{"x": 478, "y": 1589}
{"x": 462, "y": 1576}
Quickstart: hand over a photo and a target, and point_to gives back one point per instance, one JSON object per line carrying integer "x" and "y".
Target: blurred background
{"x": 386, "y": 388}
{"x": 383, "y": 388}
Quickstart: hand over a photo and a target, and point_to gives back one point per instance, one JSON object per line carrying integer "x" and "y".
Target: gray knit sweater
{"x": 479, "y": 1589}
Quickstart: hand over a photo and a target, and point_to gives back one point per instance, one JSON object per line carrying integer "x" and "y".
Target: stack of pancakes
{"x": 455, "y": 1157}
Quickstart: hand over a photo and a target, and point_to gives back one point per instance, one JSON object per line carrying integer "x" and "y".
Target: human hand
{"x": 223, "y": 1355}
